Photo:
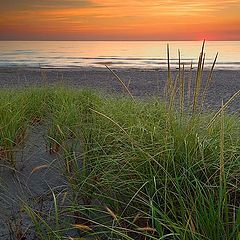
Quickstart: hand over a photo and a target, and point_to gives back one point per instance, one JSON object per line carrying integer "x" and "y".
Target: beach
{"x": 142, "y": 83}
{"x": 49, "y": 131}
{"x": 119, "y": 120}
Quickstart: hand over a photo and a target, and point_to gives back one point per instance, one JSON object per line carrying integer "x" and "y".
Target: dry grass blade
{"x": 179, "y": 64}
{"x": 182, "y": 92}
{"x": 146, "y": 229}
{"x": 39, "y": 168}
{"x": 203, "y": 62}
{"x": 111, "y": 213}
{"x": 223, "y": 107}
{"x": 111, "y": 120}
{"x": 189, "y": 85}
{"x": 169, "y": 84}
{"x": 173, "y": 93}
{"x": 82, "y": 227}
{"x": 70, "y": 238}
{"x": 121, "y": 81}
{"x": 222, "y": 177}
{"x": 136, "y": 217}
{"x": 209, "y": 79}
{"x": 198, "y": 80}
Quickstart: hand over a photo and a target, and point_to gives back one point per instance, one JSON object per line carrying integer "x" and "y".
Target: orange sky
{"x": 119, "y": 20}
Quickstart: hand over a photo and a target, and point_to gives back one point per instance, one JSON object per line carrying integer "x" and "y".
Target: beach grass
{"x": 132, "y": 169}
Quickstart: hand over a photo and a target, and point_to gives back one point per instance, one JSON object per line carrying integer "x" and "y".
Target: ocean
{"x": 116, "y": 54}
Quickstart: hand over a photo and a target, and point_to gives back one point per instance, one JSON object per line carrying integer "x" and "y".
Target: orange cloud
{"x": 111, "y": 19}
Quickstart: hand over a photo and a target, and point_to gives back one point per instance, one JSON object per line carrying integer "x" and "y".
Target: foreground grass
{"x": 133, "y": 169}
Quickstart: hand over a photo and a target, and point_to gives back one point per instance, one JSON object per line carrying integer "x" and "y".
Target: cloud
{"x": 132, "y": 7}
{"x": 170, "y": 5}
{"x": 108, "y": 16}
{"x": 33, "y": 4}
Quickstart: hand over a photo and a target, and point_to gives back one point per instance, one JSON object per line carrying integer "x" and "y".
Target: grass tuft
{"x": 134, "y": 169}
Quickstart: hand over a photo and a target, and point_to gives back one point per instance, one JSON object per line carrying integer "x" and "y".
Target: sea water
{"x": 116, "y": 54}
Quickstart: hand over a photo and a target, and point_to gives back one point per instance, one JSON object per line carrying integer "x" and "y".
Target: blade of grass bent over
{"x": 121, "y": 81}
{"x": 223, "y": 108}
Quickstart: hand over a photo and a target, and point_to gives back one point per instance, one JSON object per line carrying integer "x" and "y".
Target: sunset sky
{"x": 119, "y": 20}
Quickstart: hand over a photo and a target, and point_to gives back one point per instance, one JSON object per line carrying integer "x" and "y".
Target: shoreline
{"x": 142, "y": 82}
{"x": 103, "y": 68}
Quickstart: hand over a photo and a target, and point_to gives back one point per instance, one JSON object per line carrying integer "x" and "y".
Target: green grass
{"x": 18, "y": 109}
{"x": 134, "y": 169}
{"x": 143, "y": 171}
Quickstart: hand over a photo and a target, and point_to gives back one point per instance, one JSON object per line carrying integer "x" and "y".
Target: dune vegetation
{"x": 132, "y": 169}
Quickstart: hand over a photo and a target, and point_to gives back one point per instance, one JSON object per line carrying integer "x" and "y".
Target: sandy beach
{"x": 32, "y": 154}
{"x": 119, "y": 120}
{"x": 141, "y": 82}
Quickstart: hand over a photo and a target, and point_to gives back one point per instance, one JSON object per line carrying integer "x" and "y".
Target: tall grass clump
{"x": 18, "y": 109}
{"x": 143, "y": 169}
{"x": 155, "y": 179}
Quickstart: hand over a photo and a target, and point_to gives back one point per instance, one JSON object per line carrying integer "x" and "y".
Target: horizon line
{"x": 114, "y": 40}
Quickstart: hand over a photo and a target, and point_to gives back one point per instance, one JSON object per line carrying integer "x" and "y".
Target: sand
{"x": 141, "y": 82}
{"x": 28, "y": 186}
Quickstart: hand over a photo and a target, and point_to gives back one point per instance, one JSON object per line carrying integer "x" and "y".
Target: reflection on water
{"x": 130, "y": 54}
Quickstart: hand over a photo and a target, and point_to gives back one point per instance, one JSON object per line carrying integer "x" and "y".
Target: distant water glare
{"x": 116, "y": 54}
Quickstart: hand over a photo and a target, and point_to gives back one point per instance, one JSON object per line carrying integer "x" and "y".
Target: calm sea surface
{"x": 126, "y": 54}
